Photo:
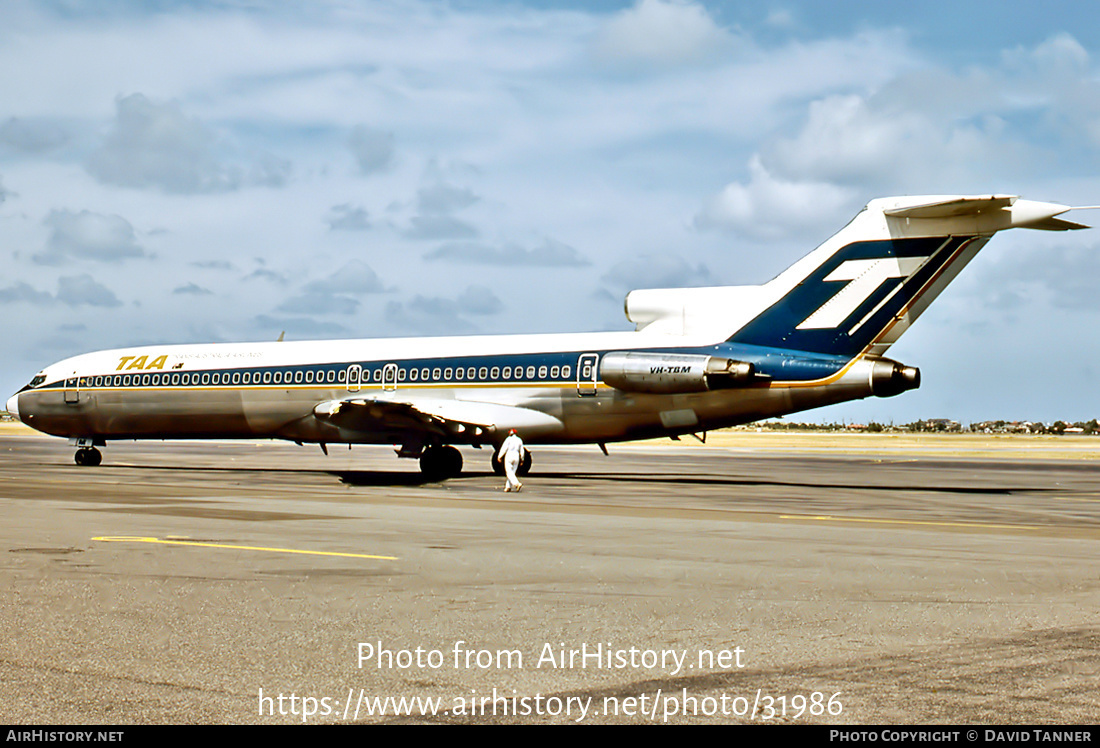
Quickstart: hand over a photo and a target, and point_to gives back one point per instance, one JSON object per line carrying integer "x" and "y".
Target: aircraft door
{"x": 354, "y": 373}
{"x": 72, "y": 389}
{"x": 389, "y": 377}
{"x": 587, "y": 374}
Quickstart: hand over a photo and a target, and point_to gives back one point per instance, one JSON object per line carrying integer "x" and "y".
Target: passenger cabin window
{"x": 530, "y": 372}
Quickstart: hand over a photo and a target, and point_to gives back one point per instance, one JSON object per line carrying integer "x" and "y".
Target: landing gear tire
{"x": 88, "y": 457}
{"x": 497, "y": 463}
{"x": 440, "y": 463}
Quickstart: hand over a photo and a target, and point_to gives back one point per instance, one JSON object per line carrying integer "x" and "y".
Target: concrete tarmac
{"x": 267, "y": 583}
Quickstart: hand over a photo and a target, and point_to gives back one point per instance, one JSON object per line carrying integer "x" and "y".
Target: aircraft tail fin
{"x": 861, "y": 289}
{"x": 864, "y": 287}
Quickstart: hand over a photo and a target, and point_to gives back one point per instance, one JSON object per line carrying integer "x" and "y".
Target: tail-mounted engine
{"x": 889, "y": 378}
{"x": 671, "y": 374}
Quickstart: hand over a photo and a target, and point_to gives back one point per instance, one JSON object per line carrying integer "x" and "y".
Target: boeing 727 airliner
{"x": 699, "y": 359}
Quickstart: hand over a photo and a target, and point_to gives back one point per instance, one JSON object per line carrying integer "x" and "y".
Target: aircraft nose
{"x": 13, "y": 405}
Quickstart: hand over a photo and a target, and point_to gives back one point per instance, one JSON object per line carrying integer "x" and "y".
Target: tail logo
{"x": 864, "y": 278}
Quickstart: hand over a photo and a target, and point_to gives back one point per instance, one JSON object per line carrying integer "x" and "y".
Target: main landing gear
{"x": 88, "y": 457}
{"x": 443, "y": 462}
{"x": 439, "y": 463}
{"x": 524, "y": 465}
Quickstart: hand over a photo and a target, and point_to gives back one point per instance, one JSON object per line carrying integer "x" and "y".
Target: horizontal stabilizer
{"x": 954, "y": 207}
{"x": 987, "y": 214}
{"x": 1056, "y": 224}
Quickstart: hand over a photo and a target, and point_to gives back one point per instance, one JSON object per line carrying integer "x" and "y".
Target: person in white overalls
{"x": 511, "y": 455}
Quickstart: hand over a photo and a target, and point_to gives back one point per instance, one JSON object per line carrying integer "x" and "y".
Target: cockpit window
{"x": 38, "y": 379}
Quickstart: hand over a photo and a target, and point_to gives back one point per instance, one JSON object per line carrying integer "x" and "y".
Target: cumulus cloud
{"x": 35, "y": 135}
{"x": 433, "y": 227}
{"x": 479, "y": 300}
{"x": 335, "y": 293}
{"x": 83, "y": 290}
{"x": 435, "y": 204}
{"x": 153, "y": 145}
{"x": 373, "y": 149}
{"x": 660, "y": 32}
{"x": 213, "y": 264}
{"x": 355, "y": 277}
{"x": 192, "y": 289}
{"x": 550, "y": 253}
{"x": 441, "y": 198}
{"x": 437, "y": 314}
{"x": 770, "y": 207}
{"x": 88, "y": 236}
{"x": 348, "y": 217}
{"x": 266, "y": 275}
{"x": 24, "y": 292}
{"x": 72, "y": 290}
{"x": 270, "y": 171}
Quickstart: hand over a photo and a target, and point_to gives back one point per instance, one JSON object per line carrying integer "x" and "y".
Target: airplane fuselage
{"x": 270, "y": 390}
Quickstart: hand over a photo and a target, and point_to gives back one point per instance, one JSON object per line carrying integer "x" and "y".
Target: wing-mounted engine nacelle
{"x": 889, "y": 378}
{"x": 672, "y": 374}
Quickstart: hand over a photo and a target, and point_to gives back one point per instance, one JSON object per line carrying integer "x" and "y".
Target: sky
{"x": 178, "y": 172}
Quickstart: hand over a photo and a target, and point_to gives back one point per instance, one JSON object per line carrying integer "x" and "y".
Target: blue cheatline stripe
{"x": 777, "y": 326}
{"x": 488, "y": 371}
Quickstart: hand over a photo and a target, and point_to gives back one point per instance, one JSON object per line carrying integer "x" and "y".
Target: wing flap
{"x": 434, "y": 415}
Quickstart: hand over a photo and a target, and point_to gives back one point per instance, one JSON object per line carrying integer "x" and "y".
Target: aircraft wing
{"x": 435, "y": 415}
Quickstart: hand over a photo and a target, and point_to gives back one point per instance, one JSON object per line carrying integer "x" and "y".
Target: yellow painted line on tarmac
{"x": 138, "y": 539}
{"x": 926, "y": 523}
